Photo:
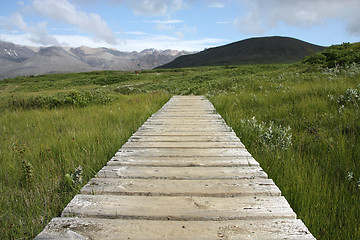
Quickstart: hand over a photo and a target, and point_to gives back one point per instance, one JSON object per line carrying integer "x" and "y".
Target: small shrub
{"x": 336, "y": 55}
{"x": 351, "y": 96}
{"x": 71, "y": 98}
{"x": 126, "y": 90}
{"x": 73, "y": 181}
{"x": 111, "y": 79}
{"x": 269, "y": 135}
{"x": 353, "y": 181}
{"x": 27, "y": 174}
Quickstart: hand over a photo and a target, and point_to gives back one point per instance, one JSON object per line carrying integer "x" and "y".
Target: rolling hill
{"x": 249, "y": 51}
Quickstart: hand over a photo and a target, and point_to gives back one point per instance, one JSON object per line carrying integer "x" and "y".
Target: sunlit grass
{"x": 312, "y": 172}
{"x": 54, "y": 143}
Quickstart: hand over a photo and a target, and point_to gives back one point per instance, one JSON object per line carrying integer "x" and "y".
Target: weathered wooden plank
{"x": 178, "y": 139}
{"x": 182, "y": 133}
{"x": 187, "y": 144}
{"x": 184, "y": 128}
{"x": 179, "y": 208}
{"x": 196, "y": 173}
{"x": 189, "y": 116}
{"x": 183, "y": 123}
{"x": 208, "y": 113}
{"x": 180, "y": 121}
{"x": 186, "y": 118}
{"x": 172, "y": 121}
{"x": 193, "y": 110}
{"x": 188, "y": 108}
{"x": 182, "y": 152}
{"x": 199, "y": 188}
{"x": 114, "y": 229}
{"x": 209, "y": 161}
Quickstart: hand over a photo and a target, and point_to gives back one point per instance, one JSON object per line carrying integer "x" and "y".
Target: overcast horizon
{"x": 135, "y": 25}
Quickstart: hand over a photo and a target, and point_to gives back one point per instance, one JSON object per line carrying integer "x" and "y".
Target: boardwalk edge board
{"x": 184, "y": 174}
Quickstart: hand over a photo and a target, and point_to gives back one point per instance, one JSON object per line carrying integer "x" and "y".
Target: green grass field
{"x": 300, "y": 121}
{"x": 42, "y": 147}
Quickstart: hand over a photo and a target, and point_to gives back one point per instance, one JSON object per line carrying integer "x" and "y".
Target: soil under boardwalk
{"x": 183, "y": 175}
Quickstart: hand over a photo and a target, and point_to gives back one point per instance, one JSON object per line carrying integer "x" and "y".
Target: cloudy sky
{"x": 134, "y": 25}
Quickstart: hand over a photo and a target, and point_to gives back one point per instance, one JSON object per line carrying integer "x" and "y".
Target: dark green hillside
{"x": 265, "y": 50}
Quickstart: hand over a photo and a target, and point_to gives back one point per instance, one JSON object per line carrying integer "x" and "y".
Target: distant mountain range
{"x": 263, "y": 50}
{"x": 17, "y": 60}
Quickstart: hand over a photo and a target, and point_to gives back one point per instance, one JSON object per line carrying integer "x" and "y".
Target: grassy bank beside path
{"x": 41, "y": 151}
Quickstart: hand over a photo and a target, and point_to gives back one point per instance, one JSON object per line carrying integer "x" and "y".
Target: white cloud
{"x": 169, "y": 42}
{"x": 216, "y": 5}
{"x": 188, "y": 29}
{"x": 37, "y": 34}
{"x": 149, "y": 7}
{"x": 185, "y": 29}
{"x": 21, "y": 39}
{"x": 265, "y": 14}
{"x": 180, "y": 34}
{"x": 63, "y": 11}
{"x": 250, "y": 24}
{"x": 135, "y": 33}
{"x": 164, "y": 24}
{"x": 170, "y": 21}
{"x": 146, "y": 7}
{"x": 166, "y": 27}
{"x": 61, "y": 29}
{"x": 156, "y": 7}
{"x": 353, "y": 27}
{"x": 77, "y": 40}
{"x": 146, "y": 41}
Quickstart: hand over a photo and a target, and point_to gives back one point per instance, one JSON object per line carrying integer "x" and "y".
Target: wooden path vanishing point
{"x": 183, "y": 175}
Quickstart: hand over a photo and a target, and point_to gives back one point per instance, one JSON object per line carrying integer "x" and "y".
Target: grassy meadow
{"x": 46, "y": 134}
{"x": 300, "y": 121}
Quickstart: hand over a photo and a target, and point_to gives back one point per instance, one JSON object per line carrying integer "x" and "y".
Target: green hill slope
{"x": 336, "y": 55}
{"x": 249, "y": 51}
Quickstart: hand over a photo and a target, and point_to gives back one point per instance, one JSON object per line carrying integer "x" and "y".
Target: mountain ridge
{"x": 17, "y": 60}
{"x": 263, "y": 50}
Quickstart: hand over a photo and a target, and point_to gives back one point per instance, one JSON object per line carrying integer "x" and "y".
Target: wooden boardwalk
{"x": 183, "y": 175}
